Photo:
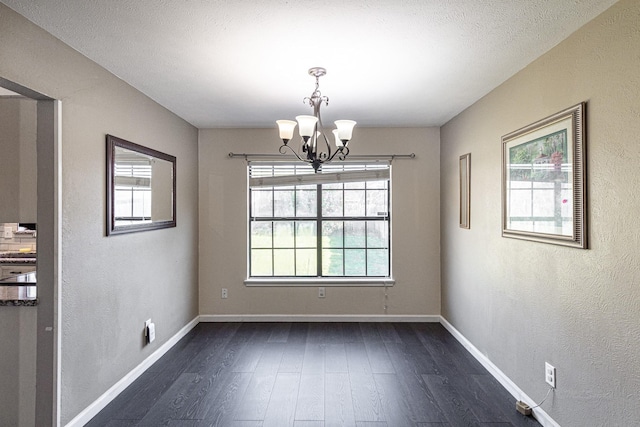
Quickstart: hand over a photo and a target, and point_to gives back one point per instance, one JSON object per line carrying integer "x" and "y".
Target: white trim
{"x": 318, "y": 318}
{"x": 315, "y": 281}
{"x": 100, "y": 403}
{"x": 57, "y": 269}
{"x": 320, "y": 178}
{"x": 538, "y": 413}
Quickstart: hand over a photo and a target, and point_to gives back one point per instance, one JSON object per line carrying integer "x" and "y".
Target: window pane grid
{"x": 350, "y": 223}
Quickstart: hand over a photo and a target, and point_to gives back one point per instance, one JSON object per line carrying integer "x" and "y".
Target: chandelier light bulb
{"x": 345, "y": 129}
{"x": 307, "y": 125}
{"x": 286, "y": 128}
{"x": 339, "y": 143}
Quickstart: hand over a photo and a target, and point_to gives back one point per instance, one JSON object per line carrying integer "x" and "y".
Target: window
{"x": 332, "y": 224}
{"x": 132, "y": 192}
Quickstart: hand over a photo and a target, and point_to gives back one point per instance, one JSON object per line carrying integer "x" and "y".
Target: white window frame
{"x": 320, "y": 178}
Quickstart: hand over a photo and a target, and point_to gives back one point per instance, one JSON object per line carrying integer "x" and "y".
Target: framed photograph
{"x": 543, "y": 180}
{"x": 465, "y": 186}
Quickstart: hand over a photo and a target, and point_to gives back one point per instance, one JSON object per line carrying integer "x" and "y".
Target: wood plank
{"x": 212, "y": 338}
{"x": 249, "y": 357}
{"x": 136, "y": 400}
{"x": 366, "y": 401}
{"x": 357, "y": 358}
{"x": 172, "y": 405}
{"x": 299, "y": 423}
{"x": 501, "y": 400}
{"x": 406, "y": 333}
{"x": 336, "y": 358}
{"x": 254, "y": 403}
{"x": 270, "y": 358}
{"x": 218, "y": 375}
{"x": 218, "y": 357}
{"x": 379, "y": 358}
{"x": 333, "y": 333}
{"x": 221, "y": 409}
{"x": 185, "y": 423}
{"x": 292, "y": 357}
{"x": 279, "y": 332}
{"x": 480, "y": 402}
{"x": 227, "y": 341}
{"x": 411, "y": 358}
{"x": 119, "y": 423}
{"x": 313, "y": 362}
{"x": 434, "y": 425}
{"x": 454, "y": 407}
{"x": 245, "y": 424}
{"x": 282, "y": 407}
{"x": 446, "y": 349}
{"x": 370, "y": 332}
{"x": 317, "y": 333}
{"x": 388, "y": 332}
{"x": 256, "y": 335}
{"x": 310, "y": 406}
{"x": 338, "y": 401}
{"x": 351, "y": 332}
{"x": 372, "y": 424}
{"x": 394, "y": 402}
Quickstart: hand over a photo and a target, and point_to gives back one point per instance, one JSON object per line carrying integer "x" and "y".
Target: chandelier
{"x": 315, "y": 148}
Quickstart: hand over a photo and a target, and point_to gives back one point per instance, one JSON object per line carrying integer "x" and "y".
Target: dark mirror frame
{"x": 112, "y": 228}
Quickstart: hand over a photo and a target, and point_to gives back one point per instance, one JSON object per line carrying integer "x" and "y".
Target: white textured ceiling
{"x": 241, "y": 63}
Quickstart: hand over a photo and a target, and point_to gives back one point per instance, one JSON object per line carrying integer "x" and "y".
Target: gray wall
{"x": 523, "y": 303}
{"x": 18, "y": 160}
{"x": 17, "y": 366}
{"x": 110, "y": 286}
{"x": 17, "y": 204}
{"x": 416, "y": 231}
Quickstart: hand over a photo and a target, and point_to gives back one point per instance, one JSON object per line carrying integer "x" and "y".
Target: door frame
{"x": 49, "y": 244}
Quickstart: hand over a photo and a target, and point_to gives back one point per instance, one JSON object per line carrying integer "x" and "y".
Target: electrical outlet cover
{"x": 550, "y": 374}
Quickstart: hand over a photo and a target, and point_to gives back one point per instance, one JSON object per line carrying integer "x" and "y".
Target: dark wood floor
{"x": 315, "y": 374}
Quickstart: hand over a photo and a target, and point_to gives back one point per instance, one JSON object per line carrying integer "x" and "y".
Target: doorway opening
{"x": 43, "y": 407}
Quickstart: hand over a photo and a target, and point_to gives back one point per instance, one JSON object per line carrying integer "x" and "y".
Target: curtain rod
{"x": 356, "y": 157}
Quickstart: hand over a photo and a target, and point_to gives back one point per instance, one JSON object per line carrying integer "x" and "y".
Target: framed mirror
{"x": 141, "y": 188}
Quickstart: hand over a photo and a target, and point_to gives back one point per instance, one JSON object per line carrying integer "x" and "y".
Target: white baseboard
{"x": 539, "y": 414}
{"x": 100, "y": 403}
{"x": 317, "y": 318}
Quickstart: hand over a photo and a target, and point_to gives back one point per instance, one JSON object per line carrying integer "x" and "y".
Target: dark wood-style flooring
{"x": 315, "y": 374}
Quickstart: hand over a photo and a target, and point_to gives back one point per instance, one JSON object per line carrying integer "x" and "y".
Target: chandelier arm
{"x": 341, "y": 153}
{"x": 283, "y": 150}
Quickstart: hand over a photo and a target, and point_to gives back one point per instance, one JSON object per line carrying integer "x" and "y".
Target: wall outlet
{"x": 550, "y": 374}
{"x": 225, "y": 294}
{"x": 7, "y": 233}
{"x": 149, "y": 331}
{"x": 321, "y": 292}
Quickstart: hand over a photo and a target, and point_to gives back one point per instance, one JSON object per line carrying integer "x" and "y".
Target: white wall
{"x": 110, "y": 286}
{"x": 523, "y": 303}
{"x": 415, "y": 222}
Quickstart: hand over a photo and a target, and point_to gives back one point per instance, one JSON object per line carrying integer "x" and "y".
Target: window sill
{"x": 324, "y": 281}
